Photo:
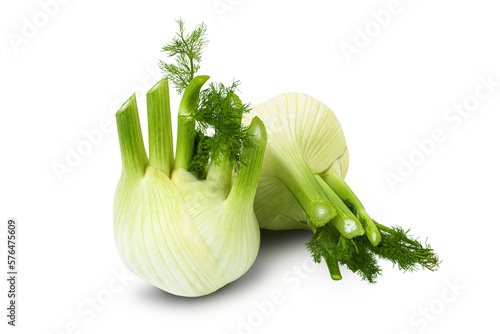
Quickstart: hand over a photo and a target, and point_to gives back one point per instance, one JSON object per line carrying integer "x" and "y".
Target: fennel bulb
{"x": 302, "y": 187}
{"x": 184, "y": 225}
{"x": 184, "y": 235}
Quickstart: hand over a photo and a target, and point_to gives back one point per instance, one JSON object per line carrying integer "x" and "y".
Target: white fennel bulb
{"x": 302, "y": 186}
{"x": 306, "y": 150}
{"x": 184, "y": 235}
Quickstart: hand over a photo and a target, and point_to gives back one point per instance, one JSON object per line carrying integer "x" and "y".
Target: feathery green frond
{"x": 407, "y": 253}
{"x": 359, "y": 255}
{"x": 327, "y": 243}
{"x": 220, "y": 111}
{"x": 186, "y": 49}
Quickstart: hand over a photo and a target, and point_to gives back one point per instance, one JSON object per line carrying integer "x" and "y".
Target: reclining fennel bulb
{"x": 302, "y": 187}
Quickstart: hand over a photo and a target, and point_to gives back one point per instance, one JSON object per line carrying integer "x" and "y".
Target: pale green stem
{"x": 340, "y": 187}
{"x": 332, "y": 262}
{"x": 333, "y": 268}
{"x": 133, "y": 152}
{"x": 220, "y": 172}
{"x": 161, "y": 151}
{"x": 300, "y": 181}
{"x": 345, "y": 221}
{"x": 186, "y": 133}
{"x": 252, "y": 156}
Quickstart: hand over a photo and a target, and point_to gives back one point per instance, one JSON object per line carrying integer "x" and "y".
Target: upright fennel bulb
{"x": 183, "y": 224}
{"x": 184, "y": 235}
{"x": 302, "y": 186}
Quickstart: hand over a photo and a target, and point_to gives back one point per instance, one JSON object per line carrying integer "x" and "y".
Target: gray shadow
{"x": 273, "y": 246}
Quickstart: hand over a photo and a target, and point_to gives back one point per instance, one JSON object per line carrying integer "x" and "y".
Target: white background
{"x": 82, "y": 62}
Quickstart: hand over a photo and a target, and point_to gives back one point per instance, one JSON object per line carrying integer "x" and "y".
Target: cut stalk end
{"x": 321, "y": 213}
{"x": 302, "y": 183}
{"x": 349, "y": 227}
{"x": 345, "y": 221}
{"x": 133, "y": 152}
{"x": 345, "y": 193}
{"x": 372, "y": 232}
{"x": 333, "y": 268}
